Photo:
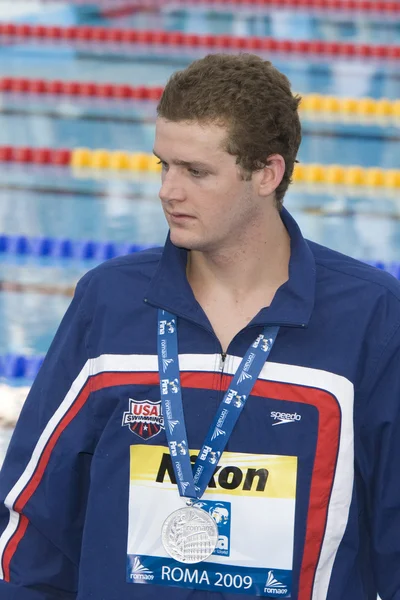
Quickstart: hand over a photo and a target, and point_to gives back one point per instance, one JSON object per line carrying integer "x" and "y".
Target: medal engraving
{"x": 189, "y": 535}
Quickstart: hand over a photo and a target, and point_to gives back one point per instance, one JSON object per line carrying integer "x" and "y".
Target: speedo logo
{"x": 280, "y": 417}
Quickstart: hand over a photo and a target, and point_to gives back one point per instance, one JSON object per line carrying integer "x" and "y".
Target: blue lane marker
{"x": 22, "y": 245}
{"x": 16, "y": 366}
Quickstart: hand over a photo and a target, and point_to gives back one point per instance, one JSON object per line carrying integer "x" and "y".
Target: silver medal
{"x": 189, "y": 535}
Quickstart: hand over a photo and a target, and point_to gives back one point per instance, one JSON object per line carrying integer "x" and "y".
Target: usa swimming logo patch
{"x": 144, "y": 418}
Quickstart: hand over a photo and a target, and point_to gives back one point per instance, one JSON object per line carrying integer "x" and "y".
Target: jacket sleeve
{"x": 45, "y": 475}
{"x": 380, "y": 466}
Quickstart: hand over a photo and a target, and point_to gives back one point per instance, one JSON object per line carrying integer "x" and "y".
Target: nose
{"x": 171, "y": 188}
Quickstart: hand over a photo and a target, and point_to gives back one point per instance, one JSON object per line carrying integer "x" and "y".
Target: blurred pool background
{"x": 66, "y": 207}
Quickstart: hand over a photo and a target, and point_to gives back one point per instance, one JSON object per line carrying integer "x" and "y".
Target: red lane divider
{"x": 216, "y": 42}
{"x": 40, "y": 156}
{"x": 79, "y": 88}
{"x": 376, "y": 6}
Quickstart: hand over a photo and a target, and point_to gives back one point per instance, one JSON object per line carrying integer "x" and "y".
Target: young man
{"x": 284, "y": 397}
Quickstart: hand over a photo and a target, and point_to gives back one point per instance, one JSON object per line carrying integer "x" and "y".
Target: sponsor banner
{"x": 211, "y": 577}
{"x": 237, "y": 474}
{"x": 252, "y": 500}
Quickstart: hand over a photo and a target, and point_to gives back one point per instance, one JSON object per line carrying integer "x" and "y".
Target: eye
{"x": 197, "y": 173}
{"x": 163, "y": 164}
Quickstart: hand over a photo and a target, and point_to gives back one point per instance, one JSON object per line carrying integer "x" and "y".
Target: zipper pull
{"x": 223, "y": 357}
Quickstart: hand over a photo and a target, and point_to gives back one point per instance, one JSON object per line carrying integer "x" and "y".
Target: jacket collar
{"x": 292, "y": 304}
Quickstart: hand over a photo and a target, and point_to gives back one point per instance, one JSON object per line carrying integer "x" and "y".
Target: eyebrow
{"x": 185, "y": 163}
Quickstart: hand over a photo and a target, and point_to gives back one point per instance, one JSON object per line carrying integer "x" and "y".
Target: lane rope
{"x": 176, "y": 39}
{"x": 85, "y": 159}
{"x": 36, "y": 288}
{"x": 17, "y": 366}
{"x": 311, "y": 103}
{"x": 44, "y": 246}
{"x": 363, "y": 6}
{"x": 87, "y": 89}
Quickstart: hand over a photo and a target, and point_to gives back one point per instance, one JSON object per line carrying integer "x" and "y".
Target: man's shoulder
{"x": 136, "y": 260}
{"x": 135, "y": 268}
{"x": 344, "y": 270}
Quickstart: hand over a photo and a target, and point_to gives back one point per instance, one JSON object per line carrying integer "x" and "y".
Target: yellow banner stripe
{"x": 238, "y": 474}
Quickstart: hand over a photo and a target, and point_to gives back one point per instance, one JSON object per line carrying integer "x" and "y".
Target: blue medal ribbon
{"x": 192, "y": 481}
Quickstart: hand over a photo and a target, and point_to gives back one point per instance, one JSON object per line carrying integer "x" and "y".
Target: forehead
{"x": 190, "y": 137}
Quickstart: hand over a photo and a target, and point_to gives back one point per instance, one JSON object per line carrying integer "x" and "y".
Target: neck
{"x": 258, "y": 260}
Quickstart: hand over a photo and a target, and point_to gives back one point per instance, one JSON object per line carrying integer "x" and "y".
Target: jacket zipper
{"x": 221, "y": 375}
{"x": 223, "y": 357}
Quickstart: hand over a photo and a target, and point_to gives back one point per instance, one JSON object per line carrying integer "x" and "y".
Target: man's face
{"x": 205, "y": 200}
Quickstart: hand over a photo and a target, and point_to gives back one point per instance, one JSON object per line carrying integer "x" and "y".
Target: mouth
{"x": 179, "y": 217}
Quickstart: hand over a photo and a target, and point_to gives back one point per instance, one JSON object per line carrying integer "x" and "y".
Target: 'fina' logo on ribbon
{"x": 266, "y": 344}
{"x": 169, "y": 385}
{"x": 170, "y": 326}
{"x": 178, "y": 448}
{"x": 238, "y": 401}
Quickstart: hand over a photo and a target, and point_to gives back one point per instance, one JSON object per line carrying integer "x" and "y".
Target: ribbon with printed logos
{"x": 192, "y": 481}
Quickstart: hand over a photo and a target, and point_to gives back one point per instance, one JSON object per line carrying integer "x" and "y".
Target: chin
{"x": 181, "y": 240}
{"x": 184, "y": 239}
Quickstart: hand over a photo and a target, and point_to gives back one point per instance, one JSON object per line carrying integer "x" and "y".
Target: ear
{"x": 268, "y": 178}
